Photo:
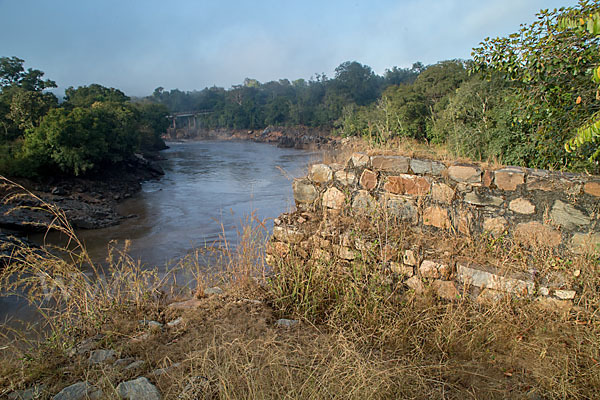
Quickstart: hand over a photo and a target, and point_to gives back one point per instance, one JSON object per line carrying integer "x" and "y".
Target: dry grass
{"x": 362, "y": 335}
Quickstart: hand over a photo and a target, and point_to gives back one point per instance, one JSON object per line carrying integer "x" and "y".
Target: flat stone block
{"x": 359, "y": 159}
{"x": 567, "y": 216}
{"x": 585, "y": 243}
{"x": 442, "y": 193}
{"x": 465, "y": 173}
{"x": 320, "y": 173}
{"x": 491, "y": 278}
{"x": 334, "y": 198}
{"x": 592, "y": 188}
{"x": 536, "y": 234}
{"x": 509, "y": 178}
{"x": 304, "y": 192}
{"x": 396, "y": 164}
{"x": 479, "y": 199}
{"x": 522, "y": 206}
{"x": 346, "y": 178}
{"x": 423, "y": 167}
{"x": 407, "y": 184}
{"x": 436, "y": 216}
{"x": 495, "y": 226}
{"x": 368, "y": 179}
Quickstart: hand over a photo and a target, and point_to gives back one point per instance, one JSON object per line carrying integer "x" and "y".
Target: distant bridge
{"x": 183, "y": 117}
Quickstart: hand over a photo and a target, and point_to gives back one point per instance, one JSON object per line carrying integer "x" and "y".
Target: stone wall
{"x": 536, "y": 208}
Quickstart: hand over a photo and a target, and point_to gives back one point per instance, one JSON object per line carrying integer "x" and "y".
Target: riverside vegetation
{"x": 297, "y": 329}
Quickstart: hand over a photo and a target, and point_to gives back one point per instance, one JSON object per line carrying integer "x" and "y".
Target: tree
{"x": 12, "y": 73}
{"x": 357, "y": 82}
{"x": 85, "y": 96}
{"x": 548, "y": 66}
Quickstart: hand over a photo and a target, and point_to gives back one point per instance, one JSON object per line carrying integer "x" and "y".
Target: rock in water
{"x": 138, "y": 389}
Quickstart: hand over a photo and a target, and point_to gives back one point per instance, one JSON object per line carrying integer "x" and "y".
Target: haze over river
{"x": 206, "y": 184}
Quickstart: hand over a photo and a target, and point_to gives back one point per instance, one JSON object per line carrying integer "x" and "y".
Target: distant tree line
{"x": 530, "y": 99}
{"x": 521, "y": 100}
{"x": 92, "y": 128}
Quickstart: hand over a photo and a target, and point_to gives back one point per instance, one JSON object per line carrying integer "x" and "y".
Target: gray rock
{"x": 150, "y": 323}
{"x": 422, "y": 167}
{"x": 483, "y": 200}
{"x": 286, "y": 323}
{"x": 568, "y": 216}
{"x": 138, "y": 389}
{"x": 135, "y": 365}
{"x": 79, "y": 391}
{"x": 35, "y": 392}
{"x": 304, "y": 192}
{"x": 175, "y": 322}
{"x": 102, "y": 356}
{"x": 491, "y": 278}
{"x": 124, "y": 362}
{"x": 213, "y": 290}
{"x": 161, "y": 371}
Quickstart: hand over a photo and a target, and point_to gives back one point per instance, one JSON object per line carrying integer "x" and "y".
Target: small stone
{"x": 286, "y": 323}
{"x": 304, "y": 192}
{"x": 407, "y": 184}
{"x": 135, "y": 365}
{"x": 138, "y": 389}
{"x": 565, "y": 294}
{"x": 567, "y": 216}
{"x": 287, "y": 235}
{"x": 434, "y": 269}
{"x": 396, "y": 164}
{"x": 403, "y": 270}
{"x": 442, "y": 193}
{"x": 464, "y": 221}
{"x": 402, "y": 208}
{"x": 165, "y": 370}
{"x": 535, "y": 234}
{"x": 592, "y": 188}
{"x": 175, "y": 322}
{"x": 213, "y": 291}
{"x": 79, "y": 391}
{"x": 554, "y": 305}
{"x": 33, "y": 393}
{"x": 344, "y": 252}
{"x": 490, "y": 296}
{"x": 483, "y": 199}
{"x": 102, "y": 356}
{"x": 585, "y": 243}
{"x": 368, "y": 179}
{"x": 151, "y": 324}
{"x": 410, "y": 258}
{"x": 522, "y": 206}
{"x": 465, "y": 173}
{"x": 445, "y": 289}
{"x": 509, "y": 178}
{"x": 422, "y": 167}
{"x": 346, "y": 178}
{"x": 488, "y": 178}
{"x": 495, "y": 226}
{"x": 359, "y": 159}
{"x": 320, "y": 173}
{"x": 123, "y": 362}
{"x": 436, "y": 216}
{"x": 576, "y": 273}
{"x": 544, "y": 291}
{"x": 363, "y": 202}
{"x": 415, "y": 284}
{"x": 334, "y": 198}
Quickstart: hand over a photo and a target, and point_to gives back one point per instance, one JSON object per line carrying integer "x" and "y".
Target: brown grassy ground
{"x": 359, "y": 336}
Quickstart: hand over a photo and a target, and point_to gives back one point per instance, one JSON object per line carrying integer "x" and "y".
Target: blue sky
{"x": 137, "y": 46}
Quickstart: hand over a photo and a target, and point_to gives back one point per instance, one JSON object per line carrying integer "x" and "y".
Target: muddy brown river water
{"x": 207, "y": 186}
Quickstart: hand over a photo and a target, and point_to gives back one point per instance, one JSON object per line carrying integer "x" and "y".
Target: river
{"x": 207, "y": 186}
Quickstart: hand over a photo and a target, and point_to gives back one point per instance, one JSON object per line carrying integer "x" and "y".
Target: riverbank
{"x": 298, "y": 137}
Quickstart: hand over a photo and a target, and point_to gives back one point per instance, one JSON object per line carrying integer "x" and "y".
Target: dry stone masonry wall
{"x": 536, "y": 208}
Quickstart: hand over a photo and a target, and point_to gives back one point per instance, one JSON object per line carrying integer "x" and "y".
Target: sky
{"x": 137, "y": 46}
